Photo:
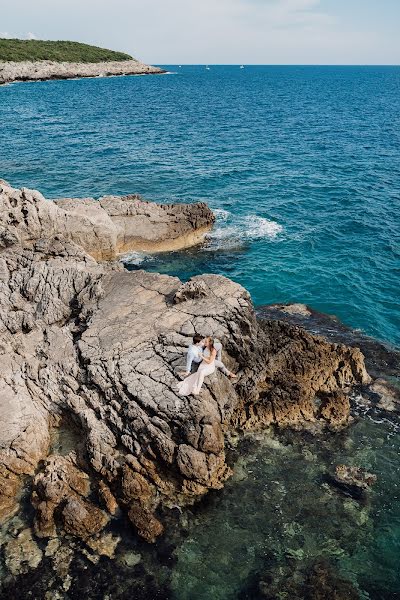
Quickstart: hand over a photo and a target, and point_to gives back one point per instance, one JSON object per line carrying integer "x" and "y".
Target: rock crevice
{"x": 103, "y": 347}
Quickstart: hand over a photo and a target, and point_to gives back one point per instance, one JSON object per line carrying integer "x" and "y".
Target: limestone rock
{"x": 104, "y": 545}
{"x": 104, "y": 228}
{"x": 60, "y": 493}
{"x": 82, "y": 518}
{"x": 147, "y": 525}
{"x": 388, "y": 395}
{"x": 108, "y": 498}
{"x": 9, "y": 486}
{"x": 190, "y": 291}
{"x": 130, "y": 559}
{"x": 22, "y": 553}
{"x": 101, "y": 347}
{"x": 46, "y": 69}
{"x": 155, "y": 227}
{"x": 355, "y": 476}
{"x": 335, "y": 409}
{"x": 351, "y": 480}
{"x": 61, "y": 555}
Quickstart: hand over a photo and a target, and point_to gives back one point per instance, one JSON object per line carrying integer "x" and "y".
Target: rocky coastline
{"x": 45, "y": 70}
{"x": 104, "y": 228}
{"x": 94, "y": 351}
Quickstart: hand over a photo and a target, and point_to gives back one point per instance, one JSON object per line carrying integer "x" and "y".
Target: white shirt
{"x": 194, "y": 354}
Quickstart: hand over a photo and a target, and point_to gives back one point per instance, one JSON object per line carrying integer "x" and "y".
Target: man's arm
{"x": 189, "y": 360}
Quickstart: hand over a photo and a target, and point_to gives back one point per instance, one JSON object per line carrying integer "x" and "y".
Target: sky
{"x": 218, "y": 31}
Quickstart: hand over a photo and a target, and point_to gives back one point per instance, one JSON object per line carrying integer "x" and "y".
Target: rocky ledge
{"x": 90, "y": 349}
{"x": 104, "y": 228}
{"x": 46, "y": 69}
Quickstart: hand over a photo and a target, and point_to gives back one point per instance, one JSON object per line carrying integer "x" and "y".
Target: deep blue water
{"x": 301, "y": 163}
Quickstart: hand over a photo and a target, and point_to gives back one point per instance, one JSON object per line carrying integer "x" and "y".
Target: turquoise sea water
{"x": 302, "y": 165}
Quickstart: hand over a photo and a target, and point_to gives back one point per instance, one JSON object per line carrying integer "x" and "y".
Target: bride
{"x": 193, "y": 383}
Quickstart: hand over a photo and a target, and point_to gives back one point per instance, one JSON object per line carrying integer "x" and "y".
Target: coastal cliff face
{"x": 104, "y": 228}
{"x": 91, "y": 353}
{"x": 95, "y": 350}
{"x": 46, "y": 69}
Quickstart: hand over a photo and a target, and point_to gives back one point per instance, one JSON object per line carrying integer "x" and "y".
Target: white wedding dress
{"x": 193, "y": 383}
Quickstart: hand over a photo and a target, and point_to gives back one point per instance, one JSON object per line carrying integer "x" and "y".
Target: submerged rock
{"x": 101, "y": 347}
{"x": 388, "y": 395}
{"x": 22, "y": 553}
{"x": 324, "y": 582}
{"x": 104, "y": 545}
{"x": 354, "y": 481}
{"x": 319, "y": 581}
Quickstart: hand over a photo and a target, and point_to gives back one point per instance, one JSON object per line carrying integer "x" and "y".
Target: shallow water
{"x": 277, "y": 514}
{"x": 301, "y": 163}
{"x": 276, "y": 517}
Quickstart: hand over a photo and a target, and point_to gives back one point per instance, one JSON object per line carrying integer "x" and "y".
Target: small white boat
{"x": 242, "y": 66}
{"x": 207, "y": 67}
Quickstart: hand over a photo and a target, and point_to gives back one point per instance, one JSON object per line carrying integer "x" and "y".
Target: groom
{"x": 195, "y": 355}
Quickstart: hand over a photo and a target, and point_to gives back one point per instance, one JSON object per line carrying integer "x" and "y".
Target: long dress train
{"x": 193, "y": 383}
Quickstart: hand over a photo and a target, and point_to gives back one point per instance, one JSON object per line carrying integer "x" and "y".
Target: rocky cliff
{"x": 104, "y": 228}
{"x": 94, "y": 351}
{"x": 47, "y": 69}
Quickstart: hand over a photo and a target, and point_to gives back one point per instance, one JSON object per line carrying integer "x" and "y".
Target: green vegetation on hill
{"x": 21, "y": 50}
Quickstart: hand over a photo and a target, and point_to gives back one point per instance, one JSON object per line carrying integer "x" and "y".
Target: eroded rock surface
{"x": 321, "y": 581}
{"x": 22, "y": 553}
{"x": 104, "y": 228}
{"x": 47, "y": 69}
{"x": 100, "y": 348}
{"x": 353, "y": 481}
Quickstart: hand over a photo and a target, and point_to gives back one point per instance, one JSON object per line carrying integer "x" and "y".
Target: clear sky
{"x": 218, "y": 31}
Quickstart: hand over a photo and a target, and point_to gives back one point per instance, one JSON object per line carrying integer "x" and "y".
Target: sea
{"x": 301, "y": 166}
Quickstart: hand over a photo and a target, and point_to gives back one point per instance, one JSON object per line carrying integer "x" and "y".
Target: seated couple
{"x": 206, "y": 352}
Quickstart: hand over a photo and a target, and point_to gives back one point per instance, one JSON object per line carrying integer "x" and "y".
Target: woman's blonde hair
{"x": 211, "y": 342}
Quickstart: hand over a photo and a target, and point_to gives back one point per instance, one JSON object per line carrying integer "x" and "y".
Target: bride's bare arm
{"x": 211, "y": 358}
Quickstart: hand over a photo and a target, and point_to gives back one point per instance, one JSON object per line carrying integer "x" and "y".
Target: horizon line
{"x": 202, "y": 64}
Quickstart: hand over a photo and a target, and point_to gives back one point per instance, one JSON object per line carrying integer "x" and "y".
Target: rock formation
{"x": 104, "y": 228}
{"x": 46, "y": 69}
{"x": 381, "y": 359}
{"x": 320, "y": 581}
{"x": 100, "y": 348}
{"x": 353, "y": 481}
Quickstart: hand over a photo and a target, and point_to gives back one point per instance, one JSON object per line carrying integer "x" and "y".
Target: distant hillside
{"x": 34, "y": 50}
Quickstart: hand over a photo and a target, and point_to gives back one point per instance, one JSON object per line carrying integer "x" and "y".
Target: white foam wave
{"x": 134, "y": 258}
{"x": 221, "y": 214}
{"x": 230, "y": 232}
{"x": 258, "y": 227}
{"x": 222, "y": 233}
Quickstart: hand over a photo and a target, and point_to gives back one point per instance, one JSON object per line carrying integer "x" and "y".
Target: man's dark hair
{"x": 197, "y": 339}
